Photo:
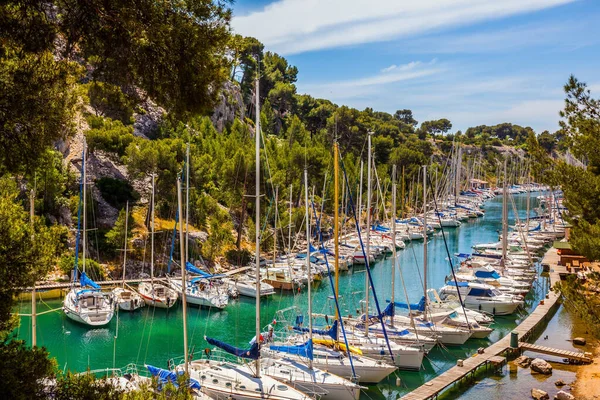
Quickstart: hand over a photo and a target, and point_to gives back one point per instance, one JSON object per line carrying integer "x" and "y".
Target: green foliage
{"x": 220, "y": 228}
{"x": 505, "y": 132}
{"x": 435, "y": 127}
{"x": 167, "y": 392}
{"x": 108, "y": 135}
{"x": 406, "y": 116}
{"x": 547, "y": 141}
{"x": 117, "y": 191}
{"x": 116, "y": 236}
{"x": 26, "y": 254}
{"x": 238, "y": 257}
{"x": 84, "y": 386}
{"x": 36, "y": 104}
{"x": 109, "y": 101}
{"x": 23, "y": 370}
{"x": 92, "y": 268}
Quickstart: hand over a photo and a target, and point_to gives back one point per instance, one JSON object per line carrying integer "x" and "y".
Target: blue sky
{"x": 471, "y": 61}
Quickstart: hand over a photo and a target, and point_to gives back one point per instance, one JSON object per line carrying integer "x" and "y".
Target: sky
{"x": 474, "y": 62}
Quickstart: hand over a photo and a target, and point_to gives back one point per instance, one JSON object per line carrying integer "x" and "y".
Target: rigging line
{"x": 368, "y": 269}
{"x": 450, "y": 262}
{"x": 348, "y": 352}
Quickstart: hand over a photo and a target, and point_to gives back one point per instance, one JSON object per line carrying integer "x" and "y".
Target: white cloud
{"x": 296, "y": 26}
{"x": 394, "y": 74}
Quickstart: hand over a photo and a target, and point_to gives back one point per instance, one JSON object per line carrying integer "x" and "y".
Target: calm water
{"x": 155, "y": 336}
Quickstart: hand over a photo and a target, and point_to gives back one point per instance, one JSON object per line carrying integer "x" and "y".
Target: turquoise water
{"x": 154, "y": 336}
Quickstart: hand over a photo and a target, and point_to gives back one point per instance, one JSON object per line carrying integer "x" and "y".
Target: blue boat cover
{"x": 331, "y": 332}
{"x": 203, "y": 274}
{"x": 165, "y": 376}
{"x": 251, "y": 353}
{"x": 380, "y": 228}
{"x": 389, "y": 310}
{"x": 462, "y": 255}
{"x": 85, "y": 281}
{"x": 420, "y": 306}
{"x": 303, "y": 350}
{"x": 487, "y": 274}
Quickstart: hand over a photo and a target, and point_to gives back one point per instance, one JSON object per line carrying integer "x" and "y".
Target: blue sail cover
{"x": 203, "y": 274}
{"x": 389, "y": 310}
{"x": 331, "y": 332}
{"x": 462, "y": 255}
{"x": 251, "y": 353}
{"x": 487, "y": 274}
{"x": 165, "y": 376}
{"x": 303, "y": 350}
{"x": 379, "y": 228}
{"x": 85, "y": 281}
{"x": 420, "y": 306}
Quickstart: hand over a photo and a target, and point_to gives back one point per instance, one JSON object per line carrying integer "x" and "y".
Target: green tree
{"x": 406, "y": 116}
{"x": 116, "y": 236}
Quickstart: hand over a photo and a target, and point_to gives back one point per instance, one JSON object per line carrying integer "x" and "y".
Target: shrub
{"x": 109, "y": 101}
{"x": 108, "y": 135}
{"x": 117, "y": 191}
{"x": 238, "y": 257}
{"x": 92, "y": 268}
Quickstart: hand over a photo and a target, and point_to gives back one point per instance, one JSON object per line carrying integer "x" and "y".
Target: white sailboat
{"x": 154, "y": 293}
{"x": 87, "y": 306}
{"x": 126, "y": 298}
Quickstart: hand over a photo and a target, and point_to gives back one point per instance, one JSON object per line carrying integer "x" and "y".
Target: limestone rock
{"x": 538, "y": 394}
{"x": 562, "y": 395}
{"x": 523, "y": 361}
{"x": 579, "y": 341}
{"x": 541, "y": 366}
{"x": 230, "y": 105}
{"x": 560, "y": 383}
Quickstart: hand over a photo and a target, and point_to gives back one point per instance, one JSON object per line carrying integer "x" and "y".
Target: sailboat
{"x": 87, "y": 306}
{"x": 203, "y": 290}
{"x": 127, "y": 299}
{"x": 154, "y": 293}
{"x": 221, "y": 378}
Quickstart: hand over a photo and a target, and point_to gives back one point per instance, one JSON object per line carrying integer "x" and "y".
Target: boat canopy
{"x": 84, "y": 280}
{"x": 164, "y": 376}
{"x": 203, "y": 274}
{"x": 331, "y": 332}
{"x": 303, "y": 350}
{"x": 486, "y": 274}
{"x": 252, "y": 353}
{"x": 420, "y": 306}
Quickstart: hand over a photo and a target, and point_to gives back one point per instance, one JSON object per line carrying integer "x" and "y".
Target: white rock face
{"x": 541, "y": 366}
{"x": 538, "y": 394}
{"x": 562, "y": 395}
{"x": 230, "y": 106}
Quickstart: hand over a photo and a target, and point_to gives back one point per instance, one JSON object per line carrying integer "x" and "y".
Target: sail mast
{"x": 152, "y": 235}
{"x": 257, "y": 221}
{"x": 425, "y": 237}
{"x": 504, "y": 219}
{"x": 125, "y": 248}
{"x": 368, "y": 252}
{"x": 393, "y": 239}
{"x": 183, "y": 278}
{"x": 187, "y": 201}
{"x": 84, "y": 177}
{"x": 290, "y": 223}
{"x": 33, "y": 304}
{"x": 336, "y": 239}
{"x": 310, "y": 333}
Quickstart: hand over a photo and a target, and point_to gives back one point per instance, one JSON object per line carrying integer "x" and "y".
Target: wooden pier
{"x": 570, "y": 355}
{"x": 542, "y": 314}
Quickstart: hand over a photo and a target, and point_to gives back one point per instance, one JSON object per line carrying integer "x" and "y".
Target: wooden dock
{"x": 570, "y": 355}
{"x": 541, "y": 314}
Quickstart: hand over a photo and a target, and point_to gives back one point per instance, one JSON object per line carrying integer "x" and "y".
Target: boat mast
{"x": 290, "y": 223}
{"x": 257, "y": 222}
{"x": 152, "y": 236}
{"x": 504, "y": 219}
{"x": 310, "y": 333}
{"x": 393, "y": 239}
{"x": 187, "y": 201}
{"x": 33, "y": 304}
{"x": 275, "y": 226}
{"x": 183, "y": 278}
{"x": 84, "y": 177}
{"x": 125, "y": 248}
{"x": 368, "y": 252}
{"x": 336, "y": 238}
{"x": 425, "y": 238}
{"x": 360, "y": 188}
